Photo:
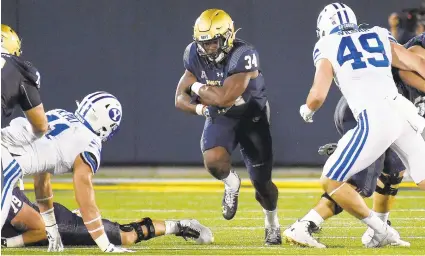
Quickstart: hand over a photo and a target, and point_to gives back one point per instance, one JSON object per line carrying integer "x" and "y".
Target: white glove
{"x": 306, "y": 113}
{"x": 116, "y": 249}
{"x": 55, "y": 241}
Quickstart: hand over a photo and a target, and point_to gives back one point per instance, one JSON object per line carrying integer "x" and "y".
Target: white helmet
{"x": 101, "y": 112}
{"x": 335, "y": 17}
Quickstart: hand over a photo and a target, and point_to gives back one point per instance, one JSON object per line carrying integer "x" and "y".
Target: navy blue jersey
{"x": 409, "y": 92}
{"x": 242, "y": 58}
{"x": 417, "y": 40}
{"x": 20, "y": 82}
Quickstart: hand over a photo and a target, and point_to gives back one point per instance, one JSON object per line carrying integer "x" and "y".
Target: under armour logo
{"x": 115, "y": 114}
{"x": 220, "y": 74}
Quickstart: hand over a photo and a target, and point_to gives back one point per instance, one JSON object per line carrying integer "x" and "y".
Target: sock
{"x": 314, "y": 216}
{"x": 16, "y": 241}
{"x": 232, "y": 181}
{"x": 382, "y": 215}
{"x": 271, "y": 219}
{"x": 171, "y": 227}
{"x": 375, "y": 223}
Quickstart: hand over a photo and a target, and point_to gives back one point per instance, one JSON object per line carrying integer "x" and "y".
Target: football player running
{"x": 382, "y": 178}
{"x": 72, "y": 145}
{"x": 361, "y": 61}
{"x": 24, "y": 227}
{"x": 225, "y": 75}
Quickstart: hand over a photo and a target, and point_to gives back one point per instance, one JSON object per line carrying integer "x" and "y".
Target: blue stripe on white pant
{"x": 351, "y": 151}
{"x": 11, "y": 175}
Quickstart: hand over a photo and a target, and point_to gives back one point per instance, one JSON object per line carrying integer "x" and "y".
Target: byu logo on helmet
{"x": 101, "y": 112}
{"x": 115, "y": 114}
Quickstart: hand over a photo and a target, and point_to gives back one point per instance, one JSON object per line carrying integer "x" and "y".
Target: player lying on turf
{"x": 24, "y": 227}
{"x": 381, "y": 179}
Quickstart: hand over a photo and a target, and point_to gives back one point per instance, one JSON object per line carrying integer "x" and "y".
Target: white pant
{"x": 11, "y": 172}
{"x": 388, "y": 123}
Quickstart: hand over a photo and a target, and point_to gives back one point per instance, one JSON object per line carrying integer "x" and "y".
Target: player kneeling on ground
{"x": 73, "y": 144}
{"x": 25, "y": 227}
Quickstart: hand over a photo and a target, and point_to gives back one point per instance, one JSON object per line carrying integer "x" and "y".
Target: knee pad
{"x": 137, "y": 226}
{"x": 390, "y": 183}
{"x": 337, "y": 209}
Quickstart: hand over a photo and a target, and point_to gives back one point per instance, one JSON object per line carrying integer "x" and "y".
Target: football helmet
{"x": 101, "y": 112}
{"x": 214, "y": 27}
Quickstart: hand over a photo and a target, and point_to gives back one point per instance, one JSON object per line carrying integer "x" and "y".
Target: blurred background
{"x": 133, "y": 49}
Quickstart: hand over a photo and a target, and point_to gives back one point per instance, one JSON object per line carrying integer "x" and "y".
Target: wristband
{"x": 200, "y": 109}
{"x": 195, "y": 87}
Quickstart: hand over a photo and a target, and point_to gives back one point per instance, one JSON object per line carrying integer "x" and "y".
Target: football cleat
{"x": 194, "y": 230}
{"x": 230, "y": 200}
{"x": 390, "y": 237}
{"x": 272, "y": 236}
{"x": 300, "y": 232}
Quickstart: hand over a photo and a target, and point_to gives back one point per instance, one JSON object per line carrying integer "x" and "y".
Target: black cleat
{"x": 192, "y": 229}
{"x": 230, "y": 201}
{"x": 186, "y": 230}
{"x": 273, "y": 236}
{"x": 313, "y": 228}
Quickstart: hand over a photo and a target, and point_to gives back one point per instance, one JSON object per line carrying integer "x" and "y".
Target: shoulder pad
{"x": 28, "y": 70}
{"x": 188, "y": 55}
{"x": 244, "y": 58}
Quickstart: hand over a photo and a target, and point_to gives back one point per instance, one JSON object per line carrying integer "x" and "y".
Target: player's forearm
{"x": 419, "y": 66}
{"x": 315, "y": 101}
{"x": 43, "y": 191}
{"x": 34, "y": 236}
{"x": 182, "y": 102}
{"x": 84, "y": 194}
{"x": 37, "y": 118}
{"x": 211, "y": 95}
{"x": 412, "y": 79}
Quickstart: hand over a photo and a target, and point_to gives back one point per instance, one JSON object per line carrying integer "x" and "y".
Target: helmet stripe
{"x": 87, "y": 110}
{"x": 103, "y": 97}
{"x": 346, "y": 16}
{"x": 95, "y": 94}
{"x": 342, "y": 5}
{"x": 338, "y": 12}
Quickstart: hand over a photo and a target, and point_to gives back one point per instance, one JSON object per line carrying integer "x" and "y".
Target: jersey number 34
{"x": 356, "y": 55}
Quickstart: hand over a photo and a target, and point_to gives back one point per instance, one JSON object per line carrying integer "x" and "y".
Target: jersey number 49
{"x": 356, "y": 55}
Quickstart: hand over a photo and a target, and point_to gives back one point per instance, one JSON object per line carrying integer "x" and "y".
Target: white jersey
{"x": 57, "y": 150}
{"x": 361, "y": 60}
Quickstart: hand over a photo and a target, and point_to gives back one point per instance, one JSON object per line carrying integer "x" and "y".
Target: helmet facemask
{"x": 223, "y": 47}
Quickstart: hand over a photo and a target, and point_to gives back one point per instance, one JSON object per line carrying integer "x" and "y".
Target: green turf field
{"x": 244, "y": 235}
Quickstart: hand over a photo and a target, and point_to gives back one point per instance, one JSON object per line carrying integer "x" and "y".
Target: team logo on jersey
{"x": 203, "y": 75}
{"x": 115, "y": 114}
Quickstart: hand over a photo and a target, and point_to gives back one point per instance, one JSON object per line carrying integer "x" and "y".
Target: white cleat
{"x": 300, "y": 234}
{"x": 391, "y": 237}
{"x": 194, "y": 230}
